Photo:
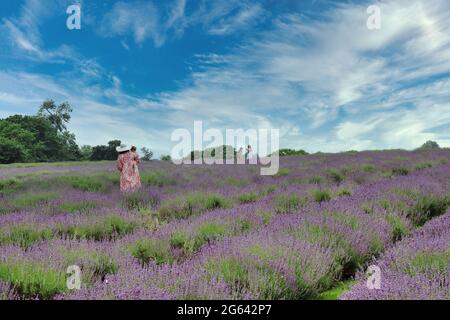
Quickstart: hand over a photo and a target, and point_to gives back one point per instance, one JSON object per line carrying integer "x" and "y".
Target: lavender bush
{"x": 225, "y": 232}
{"x": 417, "y": 268}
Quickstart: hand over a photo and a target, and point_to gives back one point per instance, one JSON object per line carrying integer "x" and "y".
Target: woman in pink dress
{"x": 127, "y": 164}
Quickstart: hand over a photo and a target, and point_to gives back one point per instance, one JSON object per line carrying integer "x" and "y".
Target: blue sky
{"x": 137, "y": 70}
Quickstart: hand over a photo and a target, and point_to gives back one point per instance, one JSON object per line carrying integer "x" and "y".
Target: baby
{"x": 135, "y": 157}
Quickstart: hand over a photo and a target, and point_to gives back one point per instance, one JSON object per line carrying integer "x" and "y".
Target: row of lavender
{"x": 417, "y": 268}
{"x": 253, "y": 250}
{"x": 294, "y": 256}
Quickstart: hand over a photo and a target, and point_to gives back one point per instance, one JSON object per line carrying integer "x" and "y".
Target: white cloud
{"x": 247, "y": 15}
{"x": 176, "y": 19}
{"x": 145, "y": 20}
{"x": 141, "y": 19}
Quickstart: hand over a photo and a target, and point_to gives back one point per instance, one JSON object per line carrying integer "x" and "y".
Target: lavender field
{"x": 226, "y": 232}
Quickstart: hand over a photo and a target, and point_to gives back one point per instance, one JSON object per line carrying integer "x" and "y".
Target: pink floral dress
{"x": 127, "y": 164}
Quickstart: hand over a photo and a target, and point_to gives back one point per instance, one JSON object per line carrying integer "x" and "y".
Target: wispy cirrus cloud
{"x": 226, "y": 17}
{"x": 22, "y": 36}
{"x": 141, "y": 19}
{"x": 22, "y": 33}
{"x": 144, "y": 20}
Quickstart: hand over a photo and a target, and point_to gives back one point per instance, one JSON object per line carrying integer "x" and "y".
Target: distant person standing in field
{"x": 127, "y": 164}
{"x": 240, "y": 156}
{"x": 248, "y": 153}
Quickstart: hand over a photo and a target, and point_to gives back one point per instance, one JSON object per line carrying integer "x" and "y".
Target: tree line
{"x": 44, "y": 137}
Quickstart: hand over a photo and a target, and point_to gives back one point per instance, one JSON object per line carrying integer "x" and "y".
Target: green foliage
{"x": 419, "y": 208}
{"x": 429, "y": 145}
{"x": 210, "y": 232}
{"x": 24, "y": 235}
{"x": 139, "y": 201}
{"x": 110, "y": 228}
{"x": 94, "y": 264}
{"x": 291, "y": 152}
{"x": 34, "y": 139}
{"x": 335, "y": 176}
{"x": 231, "y": 270}
{"x": 336, "y": 292}
{"x": 31, "y": 199}
{"x": 79, "y": 207}
{"x": 236, "y": 182}
{"x": 206, "y": 233}
{"x": 398, "y": 225}
{"x": 103, "y": 152}
{"x": 269, "y": 190}
{"x": 368, "y": 168}
{"x": 86, "y": 152}
{"x": 89, "y": 183}
{"x": 248, "y": 197}
{"x": 267, "y": 216}
{"x": 346, "y": 219}
{"x": 157, "y": 178}
{"x": 244, "y": 225}
{"x": 282, "y": 172}
{"x": 346, "y": 258}
{"x": 11, "y": 151}
{"x": 436, "y": 262}
{"x": 146, "y": 250}
{"x": 9, "y": 186}
{"x": 58, "y": 116}
{"x": 345, "y": 193}
{"x": 178, "y": 239}
{"x": 147, "y": 154}
{"x": 192, "y": 204}
{"x": 166, "y": 158}
{"x": 220, "y": 152}
{"x": 33, "y": 281}
{"x": 240, "y": 276}
{"x": 288, "y": 203}
{"x": 44, "y": 165}
{"x": 321, "y": 195}
{"x": 423, "y": 165}
{"x": 428, "y": 207}
{"x": 315, "y": 180}
{"x": 400, "y": 171}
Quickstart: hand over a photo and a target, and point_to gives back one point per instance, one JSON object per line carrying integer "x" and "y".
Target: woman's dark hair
{"x": 133, "y": 148}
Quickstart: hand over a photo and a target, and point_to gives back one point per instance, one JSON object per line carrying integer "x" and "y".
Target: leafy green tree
{"x": 86, "y": 152}
{"x": 11, "y": 151}
{"x": 39, "y": 138}
{"x": 103, "y": 152}
{"x": 58, "y": 116}
{"x": 70, "y": 151}
{"x": 99, "y": 153}
{"x": 430, "y": 145}
{"x": 223, "y": 151}
{"x": 14, "y": 141}
{"x": 113, "y": 144}
{"x": 291, "y": 152}
{"x": 147, "y": 154}
{"x": 41, "y": 142}
{"x": 166, "y": 157}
